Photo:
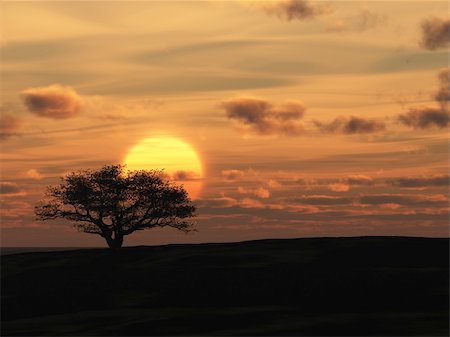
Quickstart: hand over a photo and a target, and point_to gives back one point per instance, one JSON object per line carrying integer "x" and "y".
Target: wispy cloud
{"x": 290, "y": 10}
{"x": 185, "y": 175}
{"x": 323, "y": 200}
{"x": 405, "y": 200}
{"x": 442, "y": 96}
{"x": 362, "y": 21}
{"x": 338, "y": 187}
{"x": 259, "y": 192}
{"x": 10, "y": 189}
{"x": 439, "y": 180}
{"x": 343, "y": 185}
{"x": 34, "y": 174}
{"x": 232, "y": 175}
{"x": 220, "y": 202}
{"x": 359, "y": 179}
{"x": 9, "y": 125}
{"x": 16, "y": 213}
{"x": 351, "y": 125}
{"x": 251, "y": 203}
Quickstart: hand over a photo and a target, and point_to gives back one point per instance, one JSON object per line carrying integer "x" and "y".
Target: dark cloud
{"x": 404, "y": 200}
{"x": 443, "y": 94}
{"x": 425, "y": 117}
{"x": 435, "y": 33}
{"x": 351, "y": 125}
{"x": 258, "y": 116}
{"x": 9, "y": 125}
{"x": 442, "y": 180}
{"x": 295, "y": 9}
{"x": 444, "y": 76}
{"x": 54, "y": 101}
{"x": 428, "y": 117}
{"x": 9, "y": 188}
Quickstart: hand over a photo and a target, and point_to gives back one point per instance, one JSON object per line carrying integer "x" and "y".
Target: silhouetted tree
{"x": 113, "y": 203}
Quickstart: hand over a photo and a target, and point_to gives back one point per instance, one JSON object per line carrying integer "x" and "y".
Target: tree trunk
{"x": 115, "y": 243}
{"x": 118, "y": 241}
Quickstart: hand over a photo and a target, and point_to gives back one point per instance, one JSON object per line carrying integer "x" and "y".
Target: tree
{"x": 112, "y": 202}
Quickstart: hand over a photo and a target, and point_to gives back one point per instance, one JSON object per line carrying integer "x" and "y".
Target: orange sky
{"x": 309, "y": 118}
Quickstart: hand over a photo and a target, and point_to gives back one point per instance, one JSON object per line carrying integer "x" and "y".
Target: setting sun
{"x": 177, "y": 158}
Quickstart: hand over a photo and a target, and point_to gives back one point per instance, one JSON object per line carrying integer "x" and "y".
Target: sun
{"x": 178, "y": 159}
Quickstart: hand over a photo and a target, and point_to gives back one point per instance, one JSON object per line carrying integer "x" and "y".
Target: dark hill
{"x": 324, "y": 286}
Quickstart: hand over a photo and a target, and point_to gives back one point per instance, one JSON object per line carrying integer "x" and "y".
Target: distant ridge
{"x": 277, "y": 287}
{"x": 18, "y": 250}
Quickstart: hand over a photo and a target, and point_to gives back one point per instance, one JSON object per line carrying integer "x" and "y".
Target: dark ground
{"x": 325, "y": 286}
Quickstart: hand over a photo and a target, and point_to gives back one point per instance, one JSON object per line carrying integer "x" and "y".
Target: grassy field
{"x": 325, "y": 286}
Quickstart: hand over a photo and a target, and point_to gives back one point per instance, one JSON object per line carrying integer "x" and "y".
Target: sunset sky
{"x": 295, "y": 118}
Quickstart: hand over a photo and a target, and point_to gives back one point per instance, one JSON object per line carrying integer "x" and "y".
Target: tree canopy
{"x": 112, "y": 202}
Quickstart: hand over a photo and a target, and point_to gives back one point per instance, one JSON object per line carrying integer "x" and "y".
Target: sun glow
{"x": 178, "y": 159}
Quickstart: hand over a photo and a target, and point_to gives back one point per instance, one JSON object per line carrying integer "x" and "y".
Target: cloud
{"x": 425, "y": 118}
{"x": 232, "y": 175}
{"x": 10, "y": 189}
{"x": 359, "y": 22}
{"x": 339, "y": 184}
{"x": 338, "y": 187}
{"x": 442, "y": 96}
{"x": 259, "y": 192}
{"x": 185, "y": 176}
{"x": 273, "y": 183}
{"x": 323, "y": 200}
{"x": 351, "y": 125}
{"x": 251, "y": 203}
{"x": 444, "y": 76}
{"x": 104, "y": 108}
{"x": 441, "y": 180}
{"x": 435, "y": 33}
{"x": 359, "y": 179}
{"x": 438, "y": 200}
{"x": 9, "y": 125}
{"x": 404, "y": 200}
{"x": 54, "y": 101}
{"x": 34, "y": 174}
{"x": 14, "y": 213}
{"x": 294, "y": 9}
{"x": 221, "y": 202}
{"x": 258, "y": 116}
